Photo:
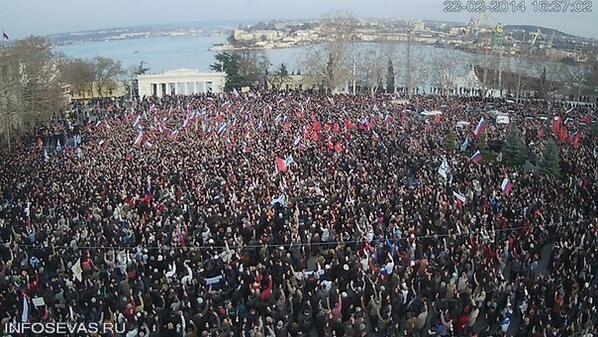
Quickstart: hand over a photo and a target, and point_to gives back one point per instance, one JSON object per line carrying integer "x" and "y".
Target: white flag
{"x": 25, "y": 314}
{"x": 289, "y": 160}
{"x": 76, "y": 269}
{"x": 280, "y": 200}
{"x": 444, "y": 169}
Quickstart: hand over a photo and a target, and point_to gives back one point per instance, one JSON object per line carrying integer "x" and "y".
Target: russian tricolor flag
{"x": 139, "y": 138}
{"x": 477, "y": 157}
{"x": 173, "y": 134}
{"x": 460, "y": 199}
{"x": 137, "y": 123}
{"x": 479, "y": 130}
{"x": 186, "y": 122}
{"x": 506, "y": 186}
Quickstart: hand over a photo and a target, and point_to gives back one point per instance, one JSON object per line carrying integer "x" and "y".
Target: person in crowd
{"x": 302, "y": 214}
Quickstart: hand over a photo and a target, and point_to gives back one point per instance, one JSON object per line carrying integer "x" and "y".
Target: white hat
{"x": 346, "y": 267}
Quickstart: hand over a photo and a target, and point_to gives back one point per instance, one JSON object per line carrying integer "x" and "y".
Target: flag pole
{"x": 7, "y": 101}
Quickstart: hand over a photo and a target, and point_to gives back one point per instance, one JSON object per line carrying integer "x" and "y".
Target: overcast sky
{"x": 20, "y": 18}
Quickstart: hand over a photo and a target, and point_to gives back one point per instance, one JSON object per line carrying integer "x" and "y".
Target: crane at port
{"x": 534, "y": 38}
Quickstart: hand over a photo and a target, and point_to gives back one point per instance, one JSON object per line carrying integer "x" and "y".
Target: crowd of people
{"x": 304, "y": 214}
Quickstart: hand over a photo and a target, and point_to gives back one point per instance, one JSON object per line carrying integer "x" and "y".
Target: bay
{"x": 167, "y": 53}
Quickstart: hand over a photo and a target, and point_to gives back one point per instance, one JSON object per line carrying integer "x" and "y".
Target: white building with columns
{"x": 180, "y": 82}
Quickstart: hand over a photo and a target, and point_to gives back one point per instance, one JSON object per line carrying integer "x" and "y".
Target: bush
{"x": 514, "y": 148}
{"x": 551, "y": 163}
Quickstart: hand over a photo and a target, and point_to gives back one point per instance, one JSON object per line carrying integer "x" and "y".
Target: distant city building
{"x": 181, "y": 82}
{"x": 419, "y": 26}
{"x": 242, "y": 35}
{"x": 293, "y": 82}
{"x": 267, "y": 35}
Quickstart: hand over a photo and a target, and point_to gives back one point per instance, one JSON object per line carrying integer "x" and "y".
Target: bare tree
{"x": 30, "y": 91}
{"x": 254, "y": 65}
{"x": 131, "y": 81}
{"x": 519, "y": 83}
{"x": 588, "y": 72}
{"x": 79, "y": 73}
{"x": 373, "y": 66}
{"x": 279, "y": 78}
{"x": 416, "y": 71}
{"x": 331, "y": 62}
{"x": 555, "y": 79}
{"x": 106, "y": 73}
{"x": 139, "y": 69}
{"x": 444, "y": 72}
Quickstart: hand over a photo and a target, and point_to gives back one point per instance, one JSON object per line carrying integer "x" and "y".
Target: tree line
{"x": 35, "y": 82}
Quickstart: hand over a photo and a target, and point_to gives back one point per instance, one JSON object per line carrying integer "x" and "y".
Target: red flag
{"x": 316, "y": 126}
{"x": 365, "y": 127}
{"x": 306, "y": 133}
{"x": 349, "y": 125}
{"x": 556, "y": 125}
{"x": 576, "y": 140}
{"x": 336, "y": 129}
{"x": 563, "y": 134}
{"x": 586, "y": 119}
{"x": 330, "y": 146}
{"x": 338, "y": 148}
{"x": 281, "y": 165}
{"x": 315, "y": 136}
